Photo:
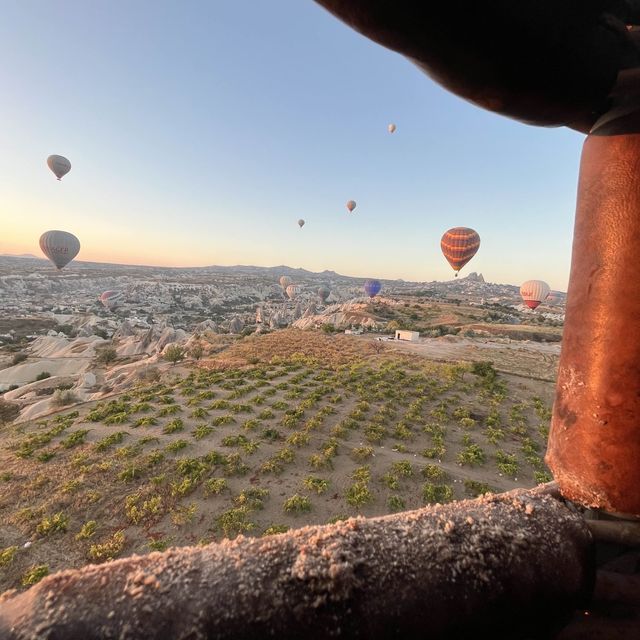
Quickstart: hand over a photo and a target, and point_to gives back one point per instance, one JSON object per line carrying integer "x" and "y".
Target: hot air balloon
{"x": 323, "y": 293}
{"x": 111, "y": 299}
{"x": 534, "y": 292}
{"x": 391, "y": 128}
{"x": 372, "y": 287}
{"x": 59, "y": 165}
{"x": 60, "y": 247}
{"x": 301, "y": 223}
{"x": 293, "y": 290}
{"x": 285, "y": 281}
{"x": 351, "y": 205}
{"x": 459, "y": 245}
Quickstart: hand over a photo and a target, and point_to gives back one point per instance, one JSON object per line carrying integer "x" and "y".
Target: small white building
{"x": 412, "y": 336}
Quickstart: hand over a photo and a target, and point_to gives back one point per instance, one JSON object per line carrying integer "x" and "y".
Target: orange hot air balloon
{"x": 459, "y": 245}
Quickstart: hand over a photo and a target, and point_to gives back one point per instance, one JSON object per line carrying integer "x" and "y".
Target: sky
{"x": 200, "y": 131}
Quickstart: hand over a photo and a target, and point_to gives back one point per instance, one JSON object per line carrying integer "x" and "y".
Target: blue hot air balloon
{"x": 372, "y": 287}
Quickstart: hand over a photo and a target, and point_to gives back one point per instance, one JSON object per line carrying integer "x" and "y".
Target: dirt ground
{"x": 337, "y": 427}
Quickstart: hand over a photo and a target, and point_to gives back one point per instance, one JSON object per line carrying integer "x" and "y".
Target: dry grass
{"x": 327, "y": 350}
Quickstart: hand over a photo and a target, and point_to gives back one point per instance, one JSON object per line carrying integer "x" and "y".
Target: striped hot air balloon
{"x": 111, "y": 299}
{"x": 534, "y": 292}
{"x": 293, "y": 290}
{"x": 459, "y": 245}
{"x": 61, "y": 247}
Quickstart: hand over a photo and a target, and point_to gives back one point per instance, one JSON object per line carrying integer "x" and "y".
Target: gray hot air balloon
{"x": 61, "y": 247}
{"x": 323, "y": 293}
{"x": 236, "y": 325}
{"x": 301, "y": 223}
{"x": 59, "y": 165}
{"x": 351, "y": 205}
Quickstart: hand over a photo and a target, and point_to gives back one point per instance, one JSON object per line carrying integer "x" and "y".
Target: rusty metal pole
{"x": 594, "y": 443}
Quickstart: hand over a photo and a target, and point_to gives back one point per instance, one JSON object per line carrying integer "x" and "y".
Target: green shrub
{"x": 108, "y": 441}
{"x": 53, "y": 524}
{"x": 395, "y": 503}
{"x": 402, "y": 468}
{"x": 275, "y": 529}
{"x": 358, "y": 494}
{"x": 202, "y": 431}
{"x": 34, "y": 574}
{"x": 88, "y": 529}
{"x": 177, "y": 445}
{"x": 214, "y": 486}
{"x": 18, "y": 358}
{"x": 437, "y": 493}
{"x": 43, "y": 375}
{"x": 174, "y": 426}
{"x": 474, "y": 488}
{"x": 471, "y": 455}
{"x": 7, "y": 555}
{"x": 234, "y": 522}
{"x": 174, "y": 353}
{"x": 297, "y": 504}
{"x": 109, "y": 549}
{"x": 318, "y": 485}
{"x": 252, "y": 498}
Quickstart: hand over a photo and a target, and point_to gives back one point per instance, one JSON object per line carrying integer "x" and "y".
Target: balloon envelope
{"x": 323, "y": 293}
{"x": 111, "y": 299}
{"x": 301, "y": 222}
{"x": 459, "y": 245}
{"x": 285, "y": 281}
{"x": 293, "y": 290}
{"x": 372, "y": 287}
{"x": 391, "y": 128}
{"x": 534, "y": 292}
{"x": 351, "y": 205}
{"x": 61, "y": 247}
{"x": 59, "y": 165}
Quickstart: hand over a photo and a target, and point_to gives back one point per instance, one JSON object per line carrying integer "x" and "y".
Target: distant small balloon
{"x": 59, "y": 165}
{"x": 111, "y": 299}
{"x": 301, "y": 223}
{"x": 372, "y": 288}
{"x": 351, "y": 205}
{"x": 323, "y": 293}
{"x": 293, "y": 290}
{"x": 534, "y": 292}
{"x": 285, "y": 281}
{"x": 61, "y": 247}
{"x": 391, "y": 127}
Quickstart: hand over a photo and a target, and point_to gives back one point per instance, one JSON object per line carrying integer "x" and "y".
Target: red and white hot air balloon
{"x": 111, "y": 299}
{"x": 534, "y": 292}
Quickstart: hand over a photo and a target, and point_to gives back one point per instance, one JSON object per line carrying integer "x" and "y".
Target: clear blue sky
{"x": 200, "y": 131}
